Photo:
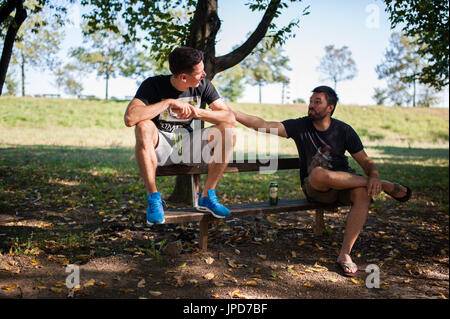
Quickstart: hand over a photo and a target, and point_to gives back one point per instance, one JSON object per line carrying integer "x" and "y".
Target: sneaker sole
{"x": 151, "y": 224}
{"x": 206, "y": 209}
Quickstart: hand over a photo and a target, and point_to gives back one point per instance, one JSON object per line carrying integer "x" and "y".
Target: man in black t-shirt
{"x": 324, "y": 171}
{"x": 163, "y": 111}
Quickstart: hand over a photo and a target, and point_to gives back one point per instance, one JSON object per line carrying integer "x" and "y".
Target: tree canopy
{"x": 427, "y": 21}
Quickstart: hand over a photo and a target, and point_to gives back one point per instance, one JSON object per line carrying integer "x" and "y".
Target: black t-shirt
{"x": 158, "y": 88}
{"x": 322, "y": 148}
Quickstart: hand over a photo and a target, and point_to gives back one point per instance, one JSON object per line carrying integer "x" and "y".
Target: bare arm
{"x": 220, "y": 112}
{"x": 137, "y": 111}
{"x": 258, "y": 123}
{"x": 374, "y": 185}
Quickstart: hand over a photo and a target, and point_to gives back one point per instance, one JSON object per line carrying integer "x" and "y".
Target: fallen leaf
{"x": 331, "y": 279}
{"x": 90, "y": 283}
{"x": 193, "y": 281}
{"x": 218, "y": 284}
{"x": 263, "y": 257}
{"x": 308, "y": 285}
{"x": 141, "y": 283}
{"x": 56, "y": 290}
{"x": 155, "y": 293}
{"x": 357, "y": 282}
{"x": 10, "y": 287}
{"x": 182, "y": 265}
{"x": 209, "y": 276}
{"x": 251, "y": 283}
{"x": 60, "y": 284}
{"x": 209, "y": 260}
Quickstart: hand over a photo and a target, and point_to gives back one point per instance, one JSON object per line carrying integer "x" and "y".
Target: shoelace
{"x": 154, "y": 204}
{"x": 214, "y": 200}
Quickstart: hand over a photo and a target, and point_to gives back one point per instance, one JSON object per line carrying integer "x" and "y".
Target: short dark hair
{"x": 330, "y": 95}
{"x": 183, "y": 59}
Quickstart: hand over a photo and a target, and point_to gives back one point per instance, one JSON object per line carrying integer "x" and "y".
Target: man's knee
{"x": 359, "y": 196}
{"x": 319, "y": 177}
{"x": 146, "y": 133}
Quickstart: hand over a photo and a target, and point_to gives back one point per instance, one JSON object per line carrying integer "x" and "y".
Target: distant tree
{"x": 68, "y": 78}
{"x": 401, "y": 67}
{"x": 427, "y": 21}
{"x": 11, "y": 84}
{"x": 105, "y": 54}
{"x": 230, "y": 83}
{"x": 37, "y": 43}
{"x": 12, "y": 14}
{"x": 299, "y": 100}
{"x": 380, "y": 96}
{"x": 337, "y": 65}
{"x": 138, "y": 65}
{"x": 266, "y": 65}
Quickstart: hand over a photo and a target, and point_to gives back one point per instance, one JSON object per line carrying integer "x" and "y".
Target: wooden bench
{"x": 192, "y": 215}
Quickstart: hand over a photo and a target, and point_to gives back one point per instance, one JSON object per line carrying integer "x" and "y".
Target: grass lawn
{"x": 70, "y": 192}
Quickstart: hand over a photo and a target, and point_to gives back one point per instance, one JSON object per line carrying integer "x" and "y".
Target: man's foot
{"x": 348, "y": 267}
{"x": 211, "y": 204}
{"x": 399, "y": 192}
{"x": 155, "y": 211}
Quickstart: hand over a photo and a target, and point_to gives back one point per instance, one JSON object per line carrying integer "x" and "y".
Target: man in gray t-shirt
{"x": 324, "y": 171}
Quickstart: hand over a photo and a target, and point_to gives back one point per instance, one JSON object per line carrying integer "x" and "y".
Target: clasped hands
{"x": 183, "y": 110}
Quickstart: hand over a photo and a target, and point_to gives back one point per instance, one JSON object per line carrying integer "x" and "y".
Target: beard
{"x": 316, "y": 117}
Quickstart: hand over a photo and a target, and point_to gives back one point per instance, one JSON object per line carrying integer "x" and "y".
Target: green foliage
{"x": 266, "y": 65}
{"x": 427, "y": 21}
{"x": 105, "y": 53}
{"x": 401, "y": 67}
{"x": 337, "y": 65}
{"x": 230, "y": 83}
{"x": 38, "y": 41}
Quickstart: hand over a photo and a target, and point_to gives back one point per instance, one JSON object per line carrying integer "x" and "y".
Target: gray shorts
{"x": 183, "y": 147}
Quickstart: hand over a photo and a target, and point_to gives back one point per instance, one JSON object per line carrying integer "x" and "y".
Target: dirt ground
{"x": 271, "y": 256}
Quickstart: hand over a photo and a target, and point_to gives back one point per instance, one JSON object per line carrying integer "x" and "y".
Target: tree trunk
{"x": 106, "y": 89}
{"x": 259, "y": 91}
{"x": 203, "y": 32}
{"x": 13, "y": 28}
{"x": 22, "y": 73}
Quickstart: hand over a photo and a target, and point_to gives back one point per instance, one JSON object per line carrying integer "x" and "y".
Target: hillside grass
{"x": 73, "y": 153}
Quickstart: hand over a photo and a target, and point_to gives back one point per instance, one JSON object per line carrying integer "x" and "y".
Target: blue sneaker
{"x": 211, "y": 204}
{"x": 155, "y": 211}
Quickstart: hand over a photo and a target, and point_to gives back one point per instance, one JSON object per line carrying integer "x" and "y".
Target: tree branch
{"x": 6, "y": 9}
{"x": 231, "y": 59}
{"x": 19, "y": 18}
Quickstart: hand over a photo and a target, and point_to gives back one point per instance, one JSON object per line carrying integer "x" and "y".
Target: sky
{"x": 361, "y": 25}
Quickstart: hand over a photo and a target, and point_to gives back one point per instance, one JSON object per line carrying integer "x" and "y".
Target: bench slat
{"x": 191, "y": 215}
{"x": 233, "y": 167}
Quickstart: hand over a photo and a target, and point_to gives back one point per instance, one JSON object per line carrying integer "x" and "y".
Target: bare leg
{"x": 225, "y": 140}
{"x": 146, "y": 141}
{"x": 323, "y": 180}
{"x": 355, "y": 221}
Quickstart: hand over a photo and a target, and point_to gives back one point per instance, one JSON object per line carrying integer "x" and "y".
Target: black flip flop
{"x": 397, "y": 190}
{"x": 343, "y": 265}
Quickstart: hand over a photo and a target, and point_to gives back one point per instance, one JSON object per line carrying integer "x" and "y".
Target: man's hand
{"x": 181, "y": 109}
{"x": 374, "y": 186}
